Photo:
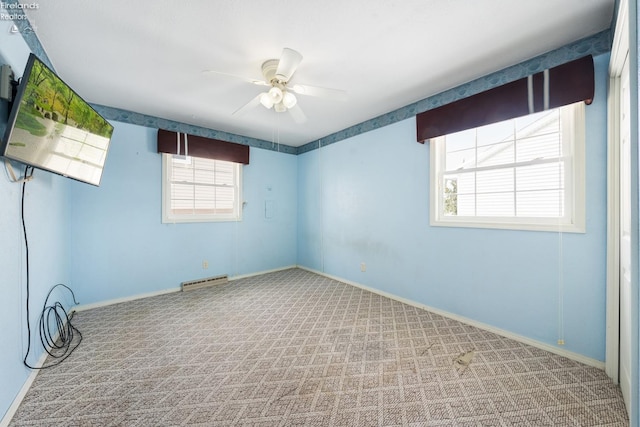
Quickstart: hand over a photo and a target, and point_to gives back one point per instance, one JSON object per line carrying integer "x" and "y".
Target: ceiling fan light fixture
{"x": 279, "y": 93}
{"x": 289, "y": 100}
{"x": 266, "y": 100}
{"x": 280, "y": 107}
{"x": 275, "y": 93}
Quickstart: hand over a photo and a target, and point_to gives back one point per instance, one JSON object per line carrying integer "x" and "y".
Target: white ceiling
{"x": 149, "y": 56}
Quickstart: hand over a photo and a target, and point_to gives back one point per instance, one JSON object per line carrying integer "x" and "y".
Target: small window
{"x": 526, "y": 173}
{"x": 200, "y": 190}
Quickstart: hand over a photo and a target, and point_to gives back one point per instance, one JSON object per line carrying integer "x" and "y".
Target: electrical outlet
{"x": 205, "y": 264}
{"x": 363, "y": 266}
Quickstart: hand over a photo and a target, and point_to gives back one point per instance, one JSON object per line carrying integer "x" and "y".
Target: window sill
{"x": 519, "y": 226}
{"x": 199, "y": 220}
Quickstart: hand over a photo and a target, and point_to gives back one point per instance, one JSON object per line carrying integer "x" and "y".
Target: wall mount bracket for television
{"x": 6, "y": 80}
{"x": 8, "y": 85}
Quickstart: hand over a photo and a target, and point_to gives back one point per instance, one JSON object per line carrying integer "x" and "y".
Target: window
{"x": 526, "y": 173}
{"x": 200, "y": 190}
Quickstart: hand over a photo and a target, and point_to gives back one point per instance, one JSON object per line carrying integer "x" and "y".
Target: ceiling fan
{"x": 280, "y": 96}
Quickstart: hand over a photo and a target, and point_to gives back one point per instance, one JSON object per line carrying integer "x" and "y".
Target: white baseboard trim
{"x": 83, "y": 307}
{"x": 8, "y": 416}
{"x": 259, "y": 273}
{"x": 516, "y": 337}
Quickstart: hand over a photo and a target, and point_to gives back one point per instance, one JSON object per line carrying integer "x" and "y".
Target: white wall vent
{"x": 203, "y": 283}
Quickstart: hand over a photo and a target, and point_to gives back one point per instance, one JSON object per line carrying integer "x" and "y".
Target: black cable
{"x": 26, "y": 244}
{"x": 56, "y": 314}
{"x": 51, "y": 315}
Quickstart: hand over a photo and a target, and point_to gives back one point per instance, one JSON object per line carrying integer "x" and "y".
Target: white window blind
{"x": 197, "y": 189}
{"x": 524, "y": 173}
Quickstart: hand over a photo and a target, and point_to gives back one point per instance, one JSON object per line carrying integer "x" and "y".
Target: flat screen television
{"x": 50, "y": 127}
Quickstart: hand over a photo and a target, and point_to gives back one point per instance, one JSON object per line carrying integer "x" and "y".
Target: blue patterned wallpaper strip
{"x": 155, "y": 122}
{"x": 29, "y": 36}
{"x": 594, "y": 45}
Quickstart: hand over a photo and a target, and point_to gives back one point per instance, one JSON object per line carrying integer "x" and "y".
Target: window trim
{"x": 168, "y": 218}
{"x": 575, "y": 223}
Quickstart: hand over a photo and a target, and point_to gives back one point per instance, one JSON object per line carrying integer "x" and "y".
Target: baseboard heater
{"x": 203, "y": 283}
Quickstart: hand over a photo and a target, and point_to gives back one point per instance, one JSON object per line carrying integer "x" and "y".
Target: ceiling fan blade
{"x": 320, "y": 92}
{"x": 297, "y": 114}
{"x": 246, "y": 79}
{"x": 248, "y": 106}
{"x": 288, "y": 64}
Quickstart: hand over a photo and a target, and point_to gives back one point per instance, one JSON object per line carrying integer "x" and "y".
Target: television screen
{"x": 51, "y": 128}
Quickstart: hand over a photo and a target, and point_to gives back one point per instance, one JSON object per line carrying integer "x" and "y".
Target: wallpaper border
{"x": 597, "y": 44}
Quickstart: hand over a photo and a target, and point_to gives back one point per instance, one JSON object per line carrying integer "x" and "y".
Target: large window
{"x": 200, "y": 190}
{"x": 525, "y": 173}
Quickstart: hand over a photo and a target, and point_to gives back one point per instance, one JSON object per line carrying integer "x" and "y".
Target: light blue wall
{"x": 334, "y": 208}
{"x": 46, "y": 216}
{"x": 120, "y": 247}
{"x": 366, "y": 199}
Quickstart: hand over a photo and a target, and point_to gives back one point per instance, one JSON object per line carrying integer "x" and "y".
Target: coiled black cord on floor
{"x": 56, "y": 331}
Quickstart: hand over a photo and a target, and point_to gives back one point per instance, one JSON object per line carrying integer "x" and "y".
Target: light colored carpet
{"x": 295, "y": 348}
